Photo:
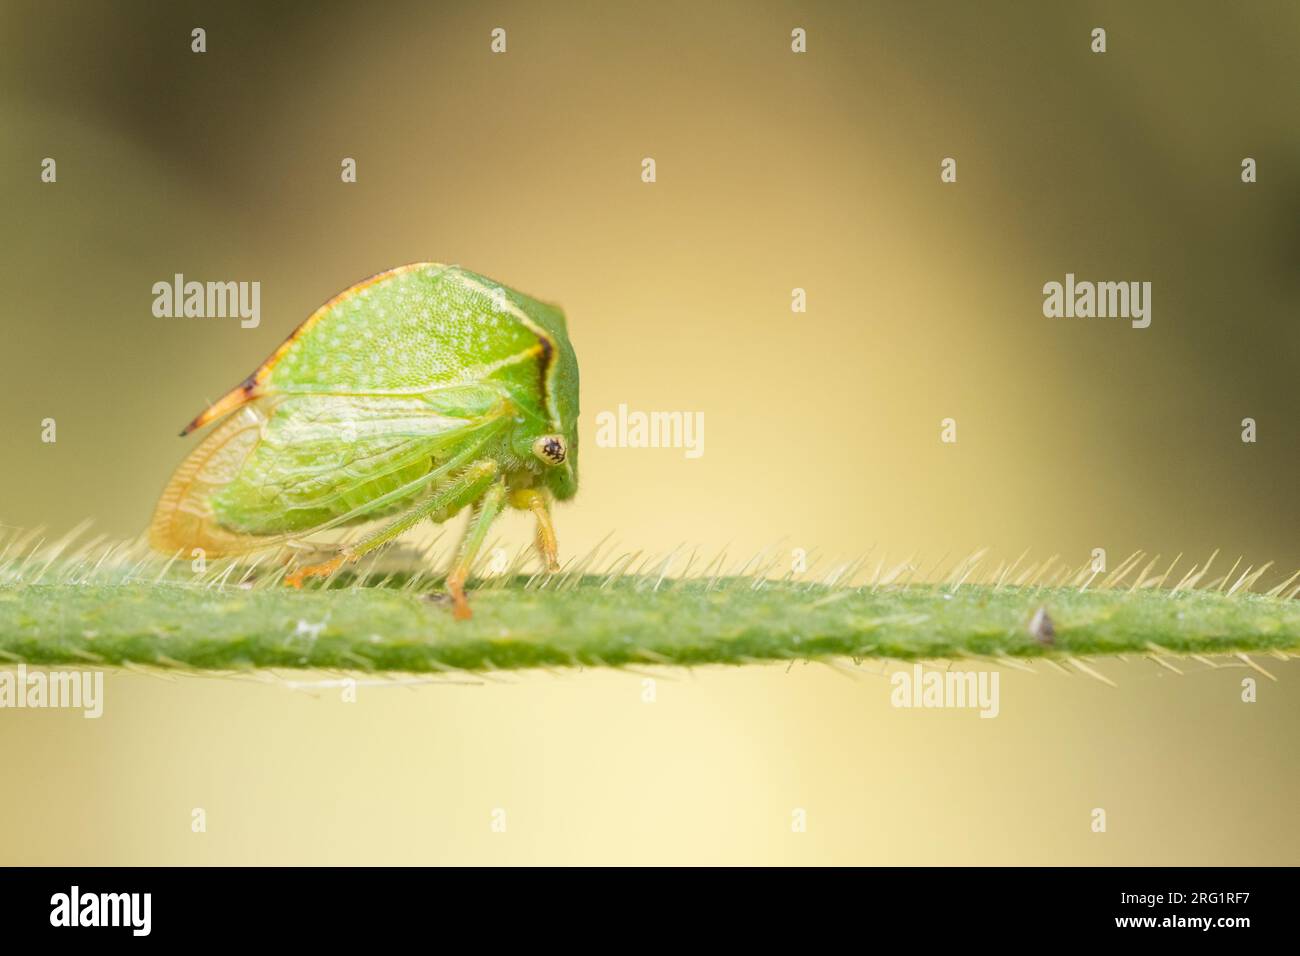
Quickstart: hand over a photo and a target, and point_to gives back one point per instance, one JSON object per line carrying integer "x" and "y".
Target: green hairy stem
{"x": 118, "y": 604}
{"x": 595, "y": 621}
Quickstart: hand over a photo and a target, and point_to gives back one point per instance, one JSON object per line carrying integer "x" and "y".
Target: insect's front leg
{"x": 486, "y": 512}
{"x": 539, "y": 503}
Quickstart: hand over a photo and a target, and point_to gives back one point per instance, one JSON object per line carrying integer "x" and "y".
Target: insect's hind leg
{"x": 448, "y": 498}
{"x": 486, "y": 512}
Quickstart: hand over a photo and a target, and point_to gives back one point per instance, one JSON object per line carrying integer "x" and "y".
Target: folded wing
{"x": 286, "y": 466}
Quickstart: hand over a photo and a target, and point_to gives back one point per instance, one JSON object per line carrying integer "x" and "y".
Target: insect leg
{"x": 489, "y": 507}
{"x": 539, "y": 503}
{"x": 448, "y": 497}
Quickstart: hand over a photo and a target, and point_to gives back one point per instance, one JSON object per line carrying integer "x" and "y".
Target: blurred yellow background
{"x": 774, "y": 171}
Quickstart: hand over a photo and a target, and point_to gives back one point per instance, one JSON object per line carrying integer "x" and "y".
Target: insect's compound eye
{"x": 551, "y": 449}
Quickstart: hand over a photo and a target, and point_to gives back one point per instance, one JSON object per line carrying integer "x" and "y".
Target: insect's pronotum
{"x": 412, "y": 395}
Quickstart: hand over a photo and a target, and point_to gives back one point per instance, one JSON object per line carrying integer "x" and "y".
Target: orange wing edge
{"x": 183, "y": 518}
{"x": 237, "y": 397}
{"x": 250, "y": 388}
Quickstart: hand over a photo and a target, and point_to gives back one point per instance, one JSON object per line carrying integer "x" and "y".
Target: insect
{"x": 419, "y": 392}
